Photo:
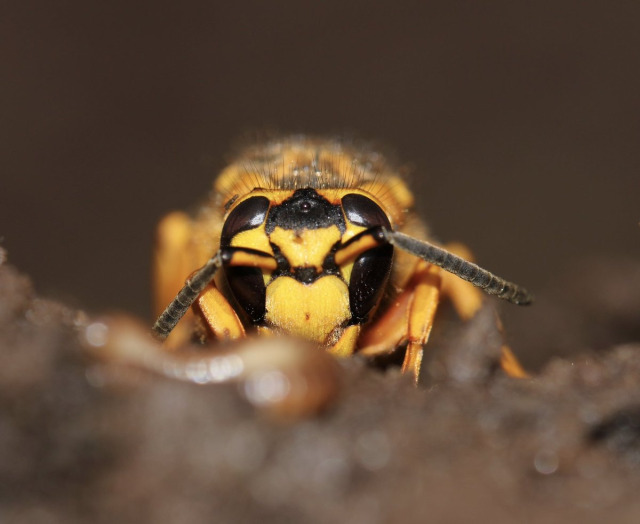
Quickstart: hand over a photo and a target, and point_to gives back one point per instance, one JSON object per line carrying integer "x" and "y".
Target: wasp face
{"x": 304, "y": 290}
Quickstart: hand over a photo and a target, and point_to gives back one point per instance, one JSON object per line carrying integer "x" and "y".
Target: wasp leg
{"x": 346, "y": 344}
{"x": 389, "y": 330}
{"x": 421, "y": 314}
{"x": 218, "y": 314}
{"x": 409, "y": 319}
{"x": 467, "y": 300}
{"x": 510, "y": 364}
{"x": 172, "y": 261}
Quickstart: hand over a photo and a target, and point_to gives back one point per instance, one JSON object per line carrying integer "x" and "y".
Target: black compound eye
{"x": 362, "y": 211}
{"x": 247, "y": 286}
{"x": 369, "y": 278}
{"x": 371, "y": 270}
{"x": 247, "y": 215}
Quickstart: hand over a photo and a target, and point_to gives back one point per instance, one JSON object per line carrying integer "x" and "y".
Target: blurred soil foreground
{"x": 87, "y": 441}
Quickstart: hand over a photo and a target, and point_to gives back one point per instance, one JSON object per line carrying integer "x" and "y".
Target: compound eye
{"x": 369, "y": 277}
{"x": 362, "y": 211}
{"x": 246, "y": 215}
{"x": 247, "y": 286}
{"x": 371, "y": 270}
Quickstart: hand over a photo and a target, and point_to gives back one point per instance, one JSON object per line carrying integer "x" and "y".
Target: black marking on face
{"x": 306, "y": 209}
{"x": 283, "y": 263}
{"x": 247, "y": 215}
{"x": 304, "y": 274}
{"x": 362, "y": 211}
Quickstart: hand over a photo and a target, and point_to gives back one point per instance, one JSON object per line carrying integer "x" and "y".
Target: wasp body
{"x": 319, "y": 240}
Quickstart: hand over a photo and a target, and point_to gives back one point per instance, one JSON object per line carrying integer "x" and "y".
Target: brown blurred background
{"x": 521, "y": 122}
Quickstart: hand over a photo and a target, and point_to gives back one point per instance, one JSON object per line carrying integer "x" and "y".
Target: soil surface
{"x": 87, "y": 441}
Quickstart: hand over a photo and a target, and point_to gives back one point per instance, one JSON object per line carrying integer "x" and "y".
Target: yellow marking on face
{"x": 311, "y": 311}
{"x": 352, "y": 230}
{"x": 308, "y": 247}
{"x": 253, "y": 238}
{"x": 355, "y": 249}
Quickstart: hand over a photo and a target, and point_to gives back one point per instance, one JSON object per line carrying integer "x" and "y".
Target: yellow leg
{"x": 346, "y": 343}
{"x": 175, "y": 258}
{"x": 467, "y": 300}
{"x": 219, "y": 316}
{"x": 510, "y": 364}
{"x": 421, "y": 314}
{"x": 389, "y": 330}
{"x": 172, "y": 262}
{"x": 408, "y": 319}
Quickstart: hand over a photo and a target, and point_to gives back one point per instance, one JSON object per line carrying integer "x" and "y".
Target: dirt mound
{"x": 84, "y": 441}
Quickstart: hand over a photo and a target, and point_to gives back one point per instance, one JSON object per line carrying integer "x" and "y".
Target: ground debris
{"x": 83, "y": 441}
